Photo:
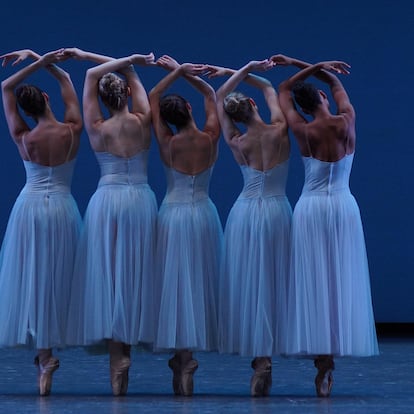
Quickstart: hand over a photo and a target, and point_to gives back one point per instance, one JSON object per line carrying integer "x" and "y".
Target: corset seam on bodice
{"x": 128, "y": 171}
{"x": 327, "y": 177}
{"x": 269, "y": 183}
{"x": 185, "y": 188}
{"x": 48, "y": 180}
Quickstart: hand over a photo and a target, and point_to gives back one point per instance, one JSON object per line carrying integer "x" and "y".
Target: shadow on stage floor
{"x": 381, "y": 384}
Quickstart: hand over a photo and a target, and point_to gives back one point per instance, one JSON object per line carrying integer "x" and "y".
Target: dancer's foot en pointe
{"x": 261, "y": 380}
{"x": 324, "y": 378}
{"x": 183, "y": 366}
{"x": 46, "y": 365}
{"x": 119, "y": 361}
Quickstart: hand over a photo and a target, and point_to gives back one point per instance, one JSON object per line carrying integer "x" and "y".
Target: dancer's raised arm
{"x": 190, "y": 72}
{"x": 321, "y": 71}
{"x": 16, "y": 123}
{"x": 230, "y": 129}
{"x": 140, "y": 105}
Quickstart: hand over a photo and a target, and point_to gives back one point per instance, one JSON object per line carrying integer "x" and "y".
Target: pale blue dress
{"x": 37, "y": 257}
{"x": 112, "y": 291}
{"x": 254, "y": 271}
{"x": 330, "y": 307}
{"x": 188, "y": 254}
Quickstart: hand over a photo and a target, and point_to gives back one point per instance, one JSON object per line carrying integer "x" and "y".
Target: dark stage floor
{"x": 382, "y": 384}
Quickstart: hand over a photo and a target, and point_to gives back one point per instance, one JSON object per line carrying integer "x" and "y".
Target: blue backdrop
{"x": 375, "y": 39}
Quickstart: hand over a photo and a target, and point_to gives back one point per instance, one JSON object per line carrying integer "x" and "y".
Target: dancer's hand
{"x": 168, "y": 63}
{"x": 260, "y": 65}
{"x": 18, "y": 56}
{"x": 336, "y": 66}
{"x": 54, "y": 56}
{"x": 217, "y": 71}
{"x": 281, "y": 60}
{"x": 74, "y": 53}
{"x": 194, "y": 69}
{"x": 145, "y": 60}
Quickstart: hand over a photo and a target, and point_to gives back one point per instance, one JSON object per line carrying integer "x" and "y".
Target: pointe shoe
{"x": 175, "y": 366}
{"x": 45, "y": 374}
{"x": 182, "y": 382}
{"x": 261, "y": 380}
{"x": 124, "y": 382}
{"x": 187, "y": 383}
{"x": 324, "y": 383}
{"x": 120, "y": 376}
{"x": 125, "y": 376}
{"x": 324, "y": 377}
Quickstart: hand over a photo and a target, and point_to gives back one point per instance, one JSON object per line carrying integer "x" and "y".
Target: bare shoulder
{"x": 195, "y": 142}
{"x": 275, "y": 136}
{"x": 277, "y": 131}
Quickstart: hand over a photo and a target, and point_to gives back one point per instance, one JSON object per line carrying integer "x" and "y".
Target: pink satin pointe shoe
{"x": 261, "y": 380}
{"x": 46, "y": 371}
